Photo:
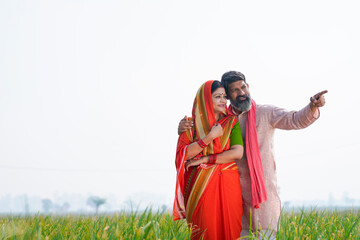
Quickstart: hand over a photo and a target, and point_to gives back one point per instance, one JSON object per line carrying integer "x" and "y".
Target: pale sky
{"x": 91, "y": 92}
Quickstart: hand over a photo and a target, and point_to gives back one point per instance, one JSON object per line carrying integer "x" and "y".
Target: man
{"x": 257, "y": 168}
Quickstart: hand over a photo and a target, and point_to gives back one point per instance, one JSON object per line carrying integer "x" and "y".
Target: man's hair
{"x": 215, "y": 85}
{"x": 230, "y": 77}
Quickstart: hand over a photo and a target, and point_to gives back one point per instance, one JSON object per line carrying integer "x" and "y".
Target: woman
{"x": 208, "y": 192}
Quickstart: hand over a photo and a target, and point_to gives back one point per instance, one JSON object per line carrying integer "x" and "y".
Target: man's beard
{"x": 242, "y": 105}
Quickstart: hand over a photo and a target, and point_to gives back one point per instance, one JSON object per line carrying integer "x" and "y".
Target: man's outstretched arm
{"x": 283, "y": 119}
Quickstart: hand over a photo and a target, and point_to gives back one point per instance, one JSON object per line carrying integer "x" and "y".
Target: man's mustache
{"x": 238, "y": 98}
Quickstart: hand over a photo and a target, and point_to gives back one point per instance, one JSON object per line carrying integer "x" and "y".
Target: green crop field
{"x": 300, "y": 224}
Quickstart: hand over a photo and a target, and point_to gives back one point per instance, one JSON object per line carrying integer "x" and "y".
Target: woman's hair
{"x": 215, "y": 85}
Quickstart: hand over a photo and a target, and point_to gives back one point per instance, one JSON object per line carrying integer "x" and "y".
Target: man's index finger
{"x": 322, "y": 93}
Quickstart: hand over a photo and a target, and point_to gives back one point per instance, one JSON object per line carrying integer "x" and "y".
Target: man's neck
{"x": 236, "y": 111}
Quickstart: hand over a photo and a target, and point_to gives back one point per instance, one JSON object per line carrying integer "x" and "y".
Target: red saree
{"x": 209, "y": 195}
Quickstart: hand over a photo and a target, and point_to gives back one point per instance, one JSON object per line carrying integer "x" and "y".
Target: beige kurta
{"x": 268, "y": 118}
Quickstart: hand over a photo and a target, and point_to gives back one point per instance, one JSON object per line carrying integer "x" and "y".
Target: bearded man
{"x": 257, "y": 168}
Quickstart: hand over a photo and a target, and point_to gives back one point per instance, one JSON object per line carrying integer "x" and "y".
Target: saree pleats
{"x": 220, "y": 209}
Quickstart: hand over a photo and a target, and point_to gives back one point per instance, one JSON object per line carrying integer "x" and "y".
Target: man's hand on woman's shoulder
{"x": 184, "y": 125}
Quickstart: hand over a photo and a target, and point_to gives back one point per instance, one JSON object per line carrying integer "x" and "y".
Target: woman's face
{"x": 219, "y": 100}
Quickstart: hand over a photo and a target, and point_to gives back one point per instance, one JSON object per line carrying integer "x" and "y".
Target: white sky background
{"x": 91, "y": 92}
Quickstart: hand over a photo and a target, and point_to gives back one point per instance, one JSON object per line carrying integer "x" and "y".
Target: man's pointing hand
{"x": 318, "y": 100}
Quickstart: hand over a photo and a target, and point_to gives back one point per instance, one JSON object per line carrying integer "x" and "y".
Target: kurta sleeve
{"x": 235, "y": 136}
{"x": 287, "y": 120}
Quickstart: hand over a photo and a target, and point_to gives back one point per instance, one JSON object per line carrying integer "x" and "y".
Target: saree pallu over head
{"x": 191, "y": 185}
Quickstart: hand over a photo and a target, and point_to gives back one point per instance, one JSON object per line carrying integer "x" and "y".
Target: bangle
{"x": 212, "y": 159}
{"x": 201, "y": 143}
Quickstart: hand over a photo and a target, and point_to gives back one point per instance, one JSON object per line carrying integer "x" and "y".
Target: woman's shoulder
{"x": 228, "y": 120}
{"x": 231, "y": 118}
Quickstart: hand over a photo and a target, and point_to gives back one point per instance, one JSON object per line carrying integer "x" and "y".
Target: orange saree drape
{"x": 209, "y": 195}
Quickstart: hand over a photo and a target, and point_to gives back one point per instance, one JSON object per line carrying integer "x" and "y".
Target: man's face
{"x": 239, "y": 96}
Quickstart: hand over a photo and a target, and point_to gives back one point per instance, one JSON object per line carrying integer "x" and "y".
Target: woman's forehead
{"x": 219, "y": 90}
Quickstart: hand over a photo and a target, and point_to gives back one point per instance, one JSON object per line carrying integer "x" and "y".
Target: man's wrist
{"x": 313, "y": 106}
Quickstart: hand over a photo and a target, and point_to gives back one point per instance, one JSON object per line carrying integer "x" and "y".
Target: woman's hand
{"x": 216, "y": 131}
{"x": 195, "y": 162}
{"x": 194, "y": 148}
